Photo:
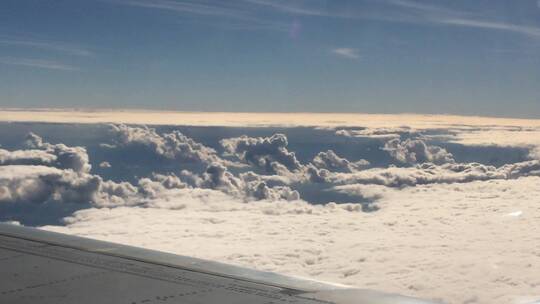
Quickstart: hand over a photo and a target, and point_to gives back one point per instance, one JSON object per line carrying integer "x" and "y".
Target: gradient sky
{"x": 376, "y": 56}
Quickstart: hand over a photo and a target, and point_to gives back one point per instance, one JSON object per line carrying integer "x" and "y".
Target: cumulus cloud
{"x": 248, "y": 186}
{"x": 174, "y": 145}
{"x": 40, "y": 184}
{"x": 428, "y": 173}
{"x": 412, "y": 151}
{"x": 535, "y": 153}
{"x": 517, "y": 170}
{"x": 55, "y": 173}
{"x": 381, "y": 133}
{"x": 60, "y": 173}
{"x": 46, "y": 154}
{"x": 112, "y": 194}
{"x": 269, "y": 153}
{"x": 317, "y": 175}
{"x": 331, "y": 161}
{"x": 75, "y": 158}
{"x": 26, "y": 157}
{"x": 48, "y": 181}
{"x": 105, "y": 164}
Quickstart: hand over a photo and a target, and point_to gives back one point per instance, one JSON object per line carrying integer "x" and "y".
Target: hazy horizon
{"x": 171, "y": 110}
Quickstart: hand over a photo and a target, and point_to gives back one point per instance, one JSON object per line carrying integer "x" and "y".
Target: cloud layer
{"x": 457, "y": 243}
{"x": 269, "y": 153}
{"x": 417, "y": 151}
{"x": 324, "y": 213}
{"x": 174, "y": 145}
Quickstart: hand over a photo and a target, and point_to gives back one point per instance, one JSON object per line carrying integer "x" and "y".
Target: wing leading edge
{"x": 38, "y": 266}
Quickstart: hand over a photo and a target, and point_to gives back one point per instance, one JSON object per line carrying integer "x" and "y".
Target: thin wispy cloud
{"x": 425, "y": 7}
{"x": 45, "y": 45}
{"x": 236, "y": 15}
{"x": 407, "y": 11}
{"x": 37, "y": 63}
{"x": 183, "y": 7}
{"x": 501, "y": 26}
{"x": 307, "y": 8}
{"x": 237, "y": 8}
{"x": 267, "y": 13}
{"x": 348, "y": 53}
{"x": 422, "y": 13}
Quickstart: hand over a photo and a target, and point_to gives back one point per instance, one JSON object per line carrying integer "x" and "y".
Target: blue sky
{"x": 377, "y": 56}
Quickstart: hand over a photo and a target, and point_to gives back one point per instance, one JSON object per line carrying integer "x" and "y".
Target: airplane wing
{"x": 38, "y": 266}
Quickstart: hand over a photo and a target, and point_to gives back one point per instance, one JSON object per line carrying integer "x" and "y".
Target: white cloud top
{"x": 423, "y": 222}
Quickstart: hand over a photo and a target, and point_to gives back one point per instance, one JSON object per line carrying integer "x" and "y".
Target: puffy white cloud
{"x": 55, "y": 173}
{"x": 527, "y": 168}
{"x": 271, "y": 180}
{"x": 112, "y": 194}
{"x": 429, "y": 173}
{"x": 331, "y": 161}
{"x": 26, "y": 157}
{"x": 75, "y": 158}
{"x": 327, "y": 167}
{"x": 158, "y": 184}
{"x": 61, "y": 185}
{"x": 169, "y": 181}
{"x": 381, "y": 132}
{"x": 217, "y": 177}
{"x": 317, "y": 175}
{"x": 174, "y": 145}
{"x": 248, "y": 186}
{"x": 535, "y": 153}
{"x": 414, "y": 151}
{"x": 46, "y": 154}
{"x": 40, "y": 184}
{"x": 105, "y": 164}
{"x": 264, "y": 152}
